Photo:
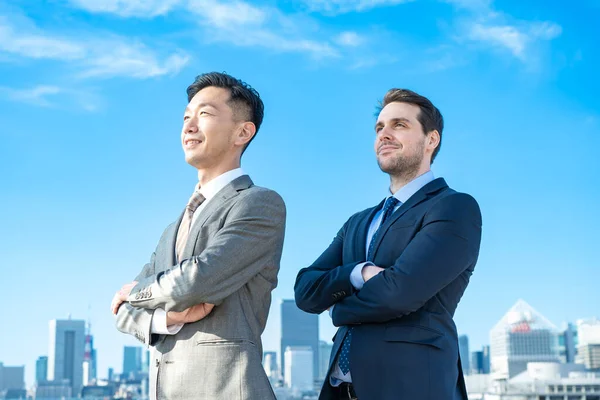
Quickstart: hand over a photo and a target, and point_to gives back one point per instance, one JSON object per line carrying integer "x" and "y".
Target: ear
{"x": 245, "y": 134}
{"x": 433, "y": 140}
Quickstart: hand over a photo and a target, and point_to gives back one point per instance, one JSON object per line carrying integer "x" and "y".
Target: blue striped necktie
{"x": 388, "y": 209}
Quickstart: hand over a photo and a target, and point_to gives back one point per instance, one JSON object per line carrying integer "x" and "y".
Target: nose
{"x": 190, "y": 125}
{"x": 384, "y": 134}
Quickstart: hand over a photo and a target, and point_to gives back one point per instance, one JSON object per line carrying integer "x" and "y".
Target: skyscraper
{"x": 132, "y": 360}
{"x": 480, "y": 361}
{"x": 298, "y": 368}
{"x": 567, "y": 343}
{"x": 299, "y": 329}
{"x": 270, "y": 366}
{"x": 324, "y": 354}
{"x": 41, "y": 369}
{"x": 89, "y": 357}
{"x": 523, "y": 335}
{"x": 12, "y": 377}
{"x": 65, "y": 354}
{"x": 463, "y": 349}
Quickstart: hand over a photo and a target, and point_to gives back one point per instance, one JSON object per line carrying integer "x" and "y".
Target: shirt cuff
{"x": 356, "y": 278}
{"x": 159, "y": 324}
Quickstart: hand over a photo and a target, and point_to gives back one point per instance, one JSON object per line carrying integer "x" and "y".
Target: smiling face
{"x": 210, "y": 130}
{"x": 402, "y": 148}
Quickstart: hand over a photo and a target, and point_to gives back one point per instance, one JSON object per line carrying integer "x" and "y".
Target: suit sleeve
{"x": 138, "y": 321}
{"x": 326, "y": 281}
{"x": 250, "y": 240}
{"x": 445, "y": 247}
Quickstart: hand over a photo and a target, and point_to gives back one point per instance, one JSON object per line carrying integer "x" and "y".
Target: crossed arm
{"x": 251, "y": 238}
{"x": 446, "y": 245}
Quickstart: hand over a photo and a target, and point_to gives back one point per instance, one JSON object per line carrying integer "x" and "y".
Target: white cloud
{"x": 237, "y": 22}
{"x": 56, "y": 97}
{"x": 349, "y": 39}
{"x": 107, "y": 57}
{"x": 127, "y": 8}
{"x": 37, "y": 95}
{"x": 242, "y": 24}
{"x": 517, "y": 40}
{"x": 132, "y": 60}
{"x": 503, "y": 36}
{"x": 37, "y": 45}
{"x": 346, "y": 6}
{"x": 228, "y": 15}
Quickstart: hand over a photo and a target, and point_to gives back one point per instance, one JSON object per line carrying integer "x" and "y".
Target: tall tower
{"x": 66, "y": 352}
{"x": 89, "y": 357}
{"x": 299, "y": 328}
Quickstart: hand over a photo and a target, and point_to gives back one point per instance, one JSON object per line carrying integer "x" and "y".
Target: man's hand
{"x": 121, "y": 296}
{"x": 370, "y": 271}
{"x": 192, "y": 314}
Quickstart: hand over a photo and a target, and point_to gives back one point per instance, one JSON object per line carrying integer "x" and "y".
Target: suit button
{"x": 157, "y": 363}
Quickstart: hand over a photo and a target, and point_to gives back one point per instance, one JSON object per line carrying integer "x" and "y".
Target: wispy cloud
{"x": 53, "y": 96}
{"x": 517, "y": 40}
{"x": 35, "y": 45}
{"x": 127, "y": 8}
{"x": 349, "y": 39}
{"x": 333, "y": 7}
{"x": 132, "y": 60}
{"x": 108, "y": 57}
{"x": 38, "y": 95}
{"x": 242, "y": 24}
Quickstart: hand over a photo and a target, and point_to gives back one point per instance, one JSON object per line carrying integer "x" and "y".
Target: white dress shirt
{"x": 356, "y": 278}
{"x": 209, "y": 190}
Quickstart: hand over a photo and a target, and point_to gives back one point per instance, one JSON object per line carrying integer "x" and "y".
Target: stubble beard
{"x": 404, "y": 168}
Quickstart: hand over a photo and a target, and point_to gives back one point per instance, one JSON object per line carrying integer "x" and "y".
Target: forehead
{"x": 397, "y": 110}
{"x": 211, "y": 94}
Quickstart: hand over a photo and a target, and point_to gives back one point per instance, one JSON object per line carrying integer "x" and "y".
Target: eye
{"x": 185, "y": 117}
{"x": 400, "y": 125}
{"x": 204, "y": 112}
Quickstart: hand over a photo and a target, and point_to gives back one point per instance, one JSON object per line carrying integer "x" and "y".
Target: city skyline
{"x": 92, "y": 100}
{"x": 137, "y": 351}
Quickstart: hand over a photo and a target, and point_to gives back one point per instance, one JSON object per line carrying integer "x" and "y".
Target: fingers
{"x": 116, "y": 303}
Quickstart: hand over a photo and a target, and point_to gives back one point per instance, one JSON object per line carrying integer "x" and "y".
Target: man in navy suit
{"x": 394, "y": 274}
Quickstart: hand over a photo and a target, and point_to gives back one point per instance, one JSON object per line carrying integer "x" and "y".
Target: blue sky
{"x": 92, "y": 94}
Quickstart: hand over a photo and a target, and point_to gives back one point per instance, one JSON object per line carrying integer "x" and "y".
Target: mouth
{"x": 386, "y": 148}
{"x": 190, "y": 143}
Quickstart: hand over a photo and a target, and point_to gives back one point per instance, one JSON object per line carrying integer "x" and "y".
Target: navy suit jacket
{"x": 404, "y": 342}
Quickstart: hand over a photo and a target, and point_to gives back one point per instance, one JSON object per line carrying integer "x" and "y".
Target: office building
{"x": 299, "y": 328}
{"x": 523, "y": 335}
{"x": 66, "y": 351}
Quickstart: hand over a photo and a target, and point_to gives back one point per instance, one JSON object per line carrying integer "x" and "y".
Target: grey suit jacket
{"x": 231, "y": 260}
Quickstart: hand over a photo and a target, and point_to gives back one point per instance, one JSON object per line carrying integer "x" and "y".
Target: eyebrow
{"x": 187, "y": 108}
{"x": 394, "y": 120}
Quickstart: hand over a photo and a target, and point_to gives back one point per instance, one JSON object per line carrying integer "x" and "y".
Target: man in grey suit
{"x": 203, "y": 299}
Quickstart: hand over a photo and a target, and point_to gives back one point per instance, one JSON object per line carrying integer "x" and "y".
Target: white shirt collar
{"x": 412, "y": 187}
{"x": 212, "y": 187}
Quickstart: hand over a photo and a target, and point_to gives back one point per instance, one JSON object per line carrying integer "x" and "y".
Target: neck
{"x": 397, "y": 182}
{"x": 206, "y": 175}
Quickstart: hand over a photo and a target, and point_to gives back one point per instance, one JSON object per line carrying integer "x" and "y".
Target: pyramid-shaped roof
{"x": 523, "y": 318}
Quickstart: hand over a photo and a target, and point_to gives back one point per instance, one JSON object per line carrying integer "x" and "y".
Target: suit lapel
{"x": 423, "y": 194}
{"x": 229, "y": 191}
{"x": 360, "y": 239}
{"x": 172, "y": 240}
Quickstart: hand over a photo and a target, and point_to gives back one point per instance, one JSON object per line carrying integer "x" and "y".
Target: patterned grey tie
{"x": 184, "y": 228}
{"x": 388, "y": 208}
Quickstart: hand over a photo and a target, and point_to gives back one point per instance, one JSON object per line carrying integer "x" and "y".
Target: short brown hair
{"x": 429, "y": 117}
